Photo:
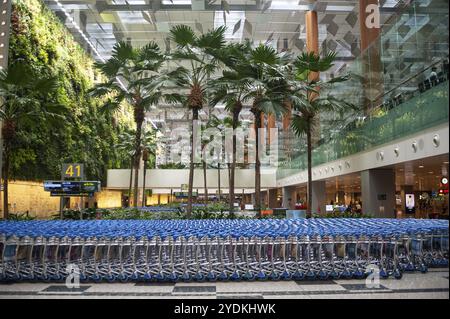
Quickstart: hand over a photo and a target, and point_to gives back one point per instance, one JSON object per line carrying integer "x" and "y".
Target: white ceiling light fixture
{"x": 176, "y": 2}
{"x": 288, "y": 5}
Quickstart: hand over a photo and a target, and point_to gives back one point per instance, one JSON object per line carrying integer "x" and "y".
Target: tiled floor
{"x": 433, "y": 285}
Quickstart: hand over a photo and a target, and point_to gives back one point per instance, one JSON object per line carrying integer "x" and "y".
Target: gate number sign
{"x": 73, "y": 170}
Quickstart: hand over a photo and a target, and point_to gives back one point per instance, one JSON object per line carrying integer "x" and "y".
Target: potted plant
{"x": 266, "y": 211}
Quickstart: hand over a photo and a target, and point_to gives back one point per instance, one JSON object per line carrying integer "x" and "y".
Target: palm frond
{"x": 183, "y": 35}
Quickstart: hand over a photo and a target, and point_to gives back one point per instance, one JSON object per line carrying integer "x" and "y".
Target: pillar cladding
{"x": 319, "y": 197}
{"x": 272, "y": 195}
{"x": 289, "y": 197}
{"x": 378, "y": 192}
{"x": 5, "y": 22}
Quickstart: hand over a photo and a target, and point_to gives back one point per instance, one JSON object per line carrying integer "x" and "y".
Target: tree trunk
{"x": 131, "y": 182}
{"x": 236, "y": 111}
{"x": 204, "y": 181}
{"x": 8, "y": 133}
{"x": 144, "y": 196}
{"x": 218, "y": 181}
{"x": 191, "y": 165}
{"x": 139, "y": 119}
{"x": 5, "y": 181}
{"x": 309, "y": 187}
{"x": 257, "y": 165}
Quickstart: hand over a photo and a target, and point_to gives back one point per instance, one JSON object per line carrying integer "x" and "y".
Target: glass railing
{"x": 425, "y": 110}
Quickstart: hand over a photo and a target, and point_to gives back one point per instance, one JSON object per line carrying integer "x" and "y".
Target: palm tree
{"x": 307, "y": 104}
{"x": 23, "y": 94}
{"x": 197, "y": 53}
{"x": 264, "y": 68}
{"x": 230, "y": 89}
{"x": 132, "y": 75}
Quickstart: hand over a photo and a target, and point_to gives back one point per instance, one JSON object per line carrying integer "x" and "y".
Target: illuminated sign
{"x": 410, "y": 206}
{"x": 444, "y": 181}
{"x": 71, "y": 188}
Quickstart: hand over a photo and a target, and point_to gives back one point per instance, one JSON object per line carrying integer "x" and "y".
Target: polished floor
{"x": 432, "y": 285}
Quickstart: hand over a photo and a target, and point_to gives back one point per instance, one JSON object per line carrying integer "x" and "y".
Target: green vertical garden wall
{"x": 87, "y": 135}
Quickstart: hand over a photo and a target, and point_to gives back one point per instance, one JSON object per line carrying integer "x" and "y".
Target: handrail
{"x": 407, "y": 80}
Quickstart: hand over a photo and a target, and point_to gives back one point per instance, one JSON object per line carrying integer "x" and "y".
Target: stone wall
{"x": 30, "y": 196}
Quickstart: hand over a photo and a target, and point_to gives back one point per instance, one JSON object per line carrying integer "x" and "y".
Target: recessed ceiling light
{"x": 421, "y": 166}
{"x": 445, "y": 162}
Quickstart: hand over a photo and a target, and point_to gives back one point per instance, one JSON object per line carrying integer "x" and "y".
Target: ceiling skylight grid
{"x": 230, "y": 22}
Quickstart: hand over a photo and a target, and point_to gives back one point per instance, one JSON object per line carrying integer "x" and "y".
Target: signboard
{"x": 184, "y": 194}
{"x": 72, "y": 170}
{"x": 71, "y": 188}
{"x": 410, "y": 204}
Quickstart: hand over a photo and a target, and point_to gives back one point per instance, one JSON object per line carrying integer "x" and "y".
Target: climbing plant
{"x": 41, "y": 41}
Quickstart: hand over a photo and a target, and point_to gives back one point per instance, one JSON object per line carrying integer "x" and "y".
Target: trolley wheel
{"x": 223, "y": 276}
{"x": 298, "y": 275}
{"x": 323, "y": 275}
{"x": 235, "y": 276}
{"x": 310, "y": 275}
{"x": 274, "y": 276}
{"x": 286, "y": 275}
{"x": 384, "y": 274}
{"x": 347, "y": 274}
{"x": 423, "y": 269}
{"x": 261, "y": 276}
{"x": 335, "y": 275}
{"x": 211, "y": 277}
{"x": 147, "y": 277}
{"x": 359, "y": 274}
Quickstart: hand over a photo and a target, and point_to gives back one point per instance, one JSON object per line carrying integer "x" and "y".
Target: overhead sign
{"x": 71, "y": 188}
{"x": 184, "y": 194}
{"x": 72, "y": 170}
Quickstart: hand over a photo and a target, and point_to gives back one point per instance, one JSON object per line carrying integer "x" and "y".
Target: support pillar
{"x": 378, "y": 192}
{"x": 340, "y": 197}
{"x": 319, "y": 197}
{"x": 5, "y": 22}
{"x": 289, "y": 197}
{"x": 272, "y": 194}
{"x": 312, "y": 46}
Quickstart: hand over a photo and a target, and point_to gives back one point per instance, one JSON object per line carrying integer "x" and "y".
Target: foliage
{"x": 171, "y": 166}
{"x": 345, "y": 214}
{"x": 41, "y": 41}
{"x": 20, "y": 217}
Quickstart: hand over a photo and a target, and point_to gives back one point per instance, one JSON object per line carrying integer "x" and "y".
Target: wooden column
{"x": 312, "y": 37}
{"x": 368, "y": 35}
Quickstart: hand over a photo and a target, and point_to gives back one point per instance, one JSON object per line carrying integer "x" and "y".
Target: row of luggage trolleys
{"x": 219, "y": 258}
